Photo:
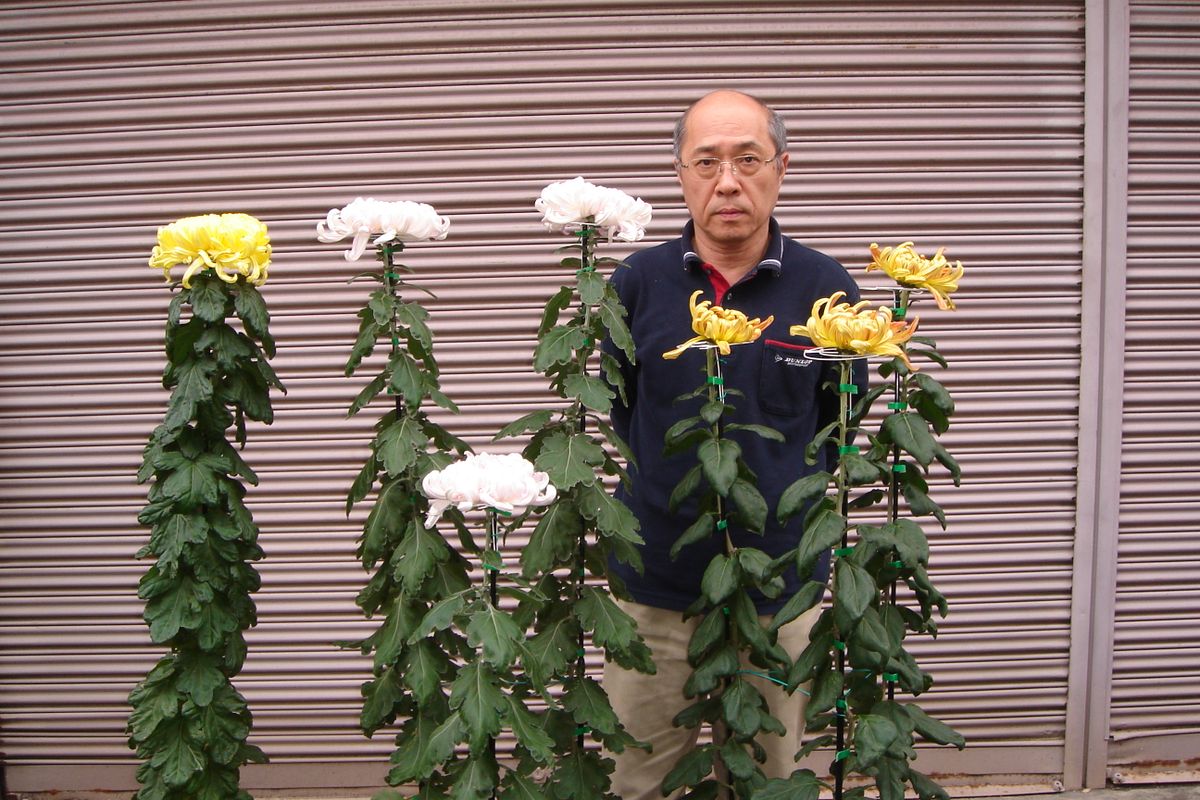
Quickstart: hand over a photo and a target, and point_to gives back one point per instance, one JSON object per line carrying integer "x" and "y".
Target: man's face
{"x": 730, "y": 209}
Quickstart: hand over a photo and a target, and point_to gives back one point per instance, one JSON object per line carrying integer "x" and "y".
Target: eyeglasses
{"x": 707, "y": 167}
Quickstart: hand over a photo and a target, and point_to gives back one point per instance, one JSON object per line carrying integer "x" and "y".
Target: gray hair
{"x": 775, "y": 126}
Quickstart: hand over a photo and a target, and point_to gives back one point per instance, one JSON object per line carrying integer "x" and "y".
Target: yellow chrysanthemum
{"x": 905, "y": 265}
{"x": 719, "y": 326}
{"x": 231, "y": 245}
{"x": 855, "y": 328}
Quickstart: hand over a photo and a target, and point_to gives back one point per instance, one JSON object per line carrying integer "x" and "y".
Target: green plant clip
{"x": 716, "y": 380}
{"x": 842, "y": 552}
{"x": 897, "y": 405}
{"x": 848, "y": 388}
{"x": 839, "y": 644}
{"x": 899, "y": 468}
{"x": 842, "y": 755}
{"x": 848, "y": 449}
{"x": 722, "y": 524}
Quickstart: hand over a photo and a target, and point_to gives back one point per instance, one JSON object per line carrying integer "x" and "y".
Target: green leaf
{"x": 439, "y": 617}
{"x": 948, "y": 461}
{"x": 932, "y": 729}
{"x": 496, "y": 632}
{"x": 739, "y": 763}
{"x": 529, "y": 731}
{"x": 476, "y": 695}
{"x": 694, "y": 767}
{"x": 861, "y": 471}
{"x": 612, "y": 517}
{"x": 413, "y": 316}
{"x": 590, "y": 390}
{"x": 581, "y": 775}
{"x": 176, "y": 609}
{"x": 553, "y": 540}
{"x": 926, "y": 787}
{"x": 589, "y": 705}
{"x": 570, "y": 460}
{"x": 813, "y": 660}
{"x": 873, "y": 735}
{"x": 610, "y": 626}
{"x": 824, "y": 528}
{"x": 797, "y": 497}
{"x": 742, "y": 706}
{"x": 591, "y": 287}
{"x": 410, "y": 760}
{"x": 826, "y": 689}
{"x": 853, "y": 591}
{"x": 208, "y": 297}
{"x": 802, "y": 785}
{"x": 921, "y": 504}
{"x": 911, "y": 433}
{"x": 175, "y": 755}
{"x": 554, "y": 307}
{"x": 417, "y": 554}
{"x": 558, "y": 346}
{"x": 721, "y": 663}
{"x": 701, "y": 529}
{"x": 751, "y": 507}
{"x": 822, "y": 438}
{"x": 400, "y": 443}
{"x": 720, "y": 579}
{"x": 686, "y": 487}
{"x": 476, "y": 779}
{"x": 764, "y": 431}
{"x": 193, "y": 386}
{"x": 551, "y": 649}
{"x": 810, "y": 595}
{"x": 718, "y": 459}
{"x": 423, "y": 671}
{"x": 364, "y": 345}
{"x": 363, "y": 482}
{"x": 368, "y": 393}
{"x": 744, "y": 617}
{"x": 707, "y": 635}
{"x": 911, "y": 544}
{"x": 252, "y": 310}
{"x": 407, "y": 378}
{"x": 533, "y": 421}
{"x": 612, "y": 314}
{"x": 380, "y": 699}
{"x": 516, "y": 786}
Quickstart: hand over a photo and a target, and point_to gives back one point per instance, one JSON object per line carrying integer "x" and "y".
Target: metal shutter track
{"x": 1153, "y": 715}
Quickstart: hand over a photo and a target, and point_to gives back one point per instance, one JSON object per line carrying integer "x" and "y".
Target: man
{"x": 730, "y": 159}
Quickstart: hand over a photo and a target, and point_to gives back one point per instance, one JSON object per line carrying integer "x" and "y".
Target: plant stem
{"x": 391, "y": 281}
{"x": 843, "y": 504}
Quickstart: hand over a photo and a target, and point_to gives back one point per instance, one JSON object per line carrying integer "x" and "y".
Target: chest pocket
{"x": 787, "y": 381}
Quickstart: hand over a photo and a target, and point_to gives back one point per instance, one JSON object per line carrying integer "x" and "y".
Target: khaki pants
{"x": 646, "y": 704}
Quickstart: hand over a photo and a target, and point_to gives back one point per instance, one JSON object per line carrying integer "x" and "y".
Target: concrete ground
{"x": 1169, "y": 791}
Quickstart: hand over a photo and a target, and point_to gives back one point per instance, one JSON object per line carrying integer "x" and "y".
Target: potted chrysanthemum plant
{"x": 856, "y": 658}
{"x": 585, "y": 524}
{"x": 413, "y": 567}
{"x": 723, "y": 489}
{"x": 189, "y": 723}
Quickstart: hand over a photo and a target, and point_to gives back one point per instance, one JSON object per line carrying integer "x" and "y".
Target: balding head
{"x": 775, "y": 123}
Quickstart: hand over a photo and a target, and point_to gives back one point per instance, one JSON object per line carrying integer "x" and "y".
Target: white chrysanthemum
{"x": 507, "y": 483}
{"x": 401, "y": 220}
{"x": 567, "y": 206}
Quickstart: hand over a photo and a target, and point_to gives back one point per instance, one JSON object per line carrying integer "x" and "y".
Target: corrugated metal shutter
{"x": 1154, "y": 718}
{"x": 953, "y": 124}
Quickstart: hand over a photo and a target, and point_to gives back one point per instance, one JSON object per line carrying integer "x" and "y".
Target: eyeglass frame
{"x": 722, "y": 163}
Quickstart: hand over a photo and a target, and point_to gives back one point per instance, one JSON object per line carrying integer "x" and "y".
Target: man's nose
{"x": 727, "y": 178}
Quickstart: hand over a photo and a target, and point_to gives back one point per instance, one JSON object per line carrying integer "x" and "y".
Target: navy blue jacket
{"x": 783, "y": 390}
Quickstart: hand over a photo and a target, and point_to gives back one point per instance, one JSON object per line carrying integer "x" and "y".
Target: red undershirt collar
{"x": 719, "y": 284}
